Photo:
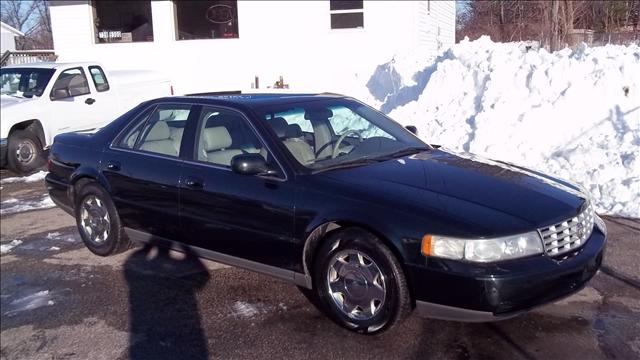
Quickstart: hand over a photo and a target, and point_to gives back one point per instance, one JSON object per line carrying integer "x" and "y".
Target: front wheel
{"x": 359, "y": 282}
{"x": 24, "y": 152}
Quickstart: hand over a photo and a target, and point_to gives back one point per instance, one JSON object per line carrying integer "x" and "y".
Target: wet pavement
{"x": 59, "y": 301}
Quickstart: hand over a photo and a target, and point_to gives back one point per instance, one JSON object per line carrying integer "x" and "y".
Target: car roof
{"x": 256, "y": 100}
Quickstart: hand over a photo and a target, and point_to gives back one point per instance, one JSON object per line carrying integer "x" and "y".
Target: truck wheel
{"x": 98, "y": 221}
{"x": 24, "y": 152}
{"x": 359, "y": 282}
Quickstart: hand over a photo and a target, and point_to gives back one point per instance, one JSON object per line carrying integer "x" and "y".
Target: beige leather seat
{"x": 216, "y": 142}
{"x": 298, "y": 146}
{"x": 176, "y": 137}
{"x": 159, "y": 141}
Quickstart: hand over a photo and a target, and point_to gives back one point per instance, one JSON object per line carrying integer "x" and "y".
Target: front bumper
{"x": 471, "y": 292}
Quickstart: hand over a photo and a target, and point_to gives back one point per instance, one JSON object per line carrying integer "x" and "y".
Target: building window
{"x": 207, "y": 19}
{"x": 118, "y": 21}
{"x": 346, "y": 14}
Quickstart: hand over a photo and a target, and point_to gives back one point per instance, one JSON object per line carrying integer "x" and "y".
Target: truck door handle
{"x": 89, "y": 101}
{"x": 113, "y": 166}
{"x": 193, "y": 183}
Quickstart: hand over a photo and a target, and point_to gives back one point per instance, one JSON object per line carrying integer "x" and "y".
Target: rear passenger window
{"x": 99, "y": 79}
{"x": 224, "y": 134}
{"x": 160, "y": 132}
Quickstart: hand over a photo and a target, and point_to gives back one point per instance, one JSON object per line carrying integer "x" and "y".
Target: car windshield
{"x": 333, "y": 133}
{"x": 24, "y": 82}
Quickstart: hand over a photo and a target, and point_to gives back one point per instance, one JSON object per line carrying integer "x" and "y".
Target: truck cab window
{"x": 70, "y": 83}
{"x": 99, "y": 79}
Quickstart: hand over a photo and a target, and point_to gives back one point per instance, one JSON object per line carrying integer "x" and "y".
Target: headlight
{"x": 483, "y": 250}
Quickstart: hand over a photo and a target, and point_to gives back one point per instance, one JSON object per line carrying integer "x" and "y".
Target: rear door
{"x": 104, "y": 99}
{"x": 247, "y": 217}
{"x": 143, "y": 167}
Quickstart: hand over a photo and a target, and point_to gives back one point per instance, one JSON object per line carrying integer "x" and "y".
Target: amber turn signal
{"x": 426, "y": 245}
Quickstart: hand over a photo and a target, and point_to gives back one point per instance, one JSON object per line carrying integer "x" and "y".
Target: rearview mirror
{"x": 250, "y": 164}
{"x": 413, "y": 129}
{"x": 60, "y": 93}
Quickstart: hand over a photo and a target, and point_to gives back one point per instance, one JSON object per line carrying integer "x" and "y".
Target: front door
{"x": 71, "y": 102}
{"x": 249, "y": 217}
{"x": 143, "y": 170}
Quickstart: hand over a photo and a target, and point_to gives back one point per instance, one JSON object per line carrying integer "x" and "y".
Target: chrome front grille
{"x": 568, "y": 235}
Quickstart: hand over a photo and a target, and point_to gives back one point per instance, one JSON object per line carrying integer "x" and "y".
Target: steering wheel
{"x": 342, "y": 137}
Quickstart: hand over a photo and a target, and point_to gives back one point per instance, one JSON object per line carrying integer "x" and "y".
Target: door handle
{"x": 113, "y": 166}
{"x": 89, "y": 101}
{"x": 193, "y": 183}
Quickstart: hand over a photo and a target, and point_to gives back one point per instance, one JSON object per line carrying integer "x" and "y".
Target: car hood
{"x": 10, "y": 101}
{"x": 465, "y": 184}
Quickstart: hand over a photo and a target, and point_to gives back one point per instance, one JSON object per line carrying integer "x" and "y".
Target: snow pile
{"x": 571, "y": 114}
{"x": 28, "y": 179}
{"x": 6, "y": 248}
{"x": 14, "y": 206}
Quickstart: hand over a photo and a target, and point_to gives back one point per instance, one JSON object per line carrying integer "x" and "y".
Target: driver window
{"x": 70, "y": 83}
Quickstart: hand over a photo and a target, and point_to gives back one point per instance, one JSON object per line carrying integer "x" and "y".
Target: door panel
{"x": 249, "y": 217}
{"x": 143, "y": 170}
{"x": 243, "y": 216}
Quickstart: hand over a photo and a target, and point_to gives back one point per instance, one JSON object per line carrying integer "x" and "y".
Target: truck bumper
{"x": 3, "y": 152}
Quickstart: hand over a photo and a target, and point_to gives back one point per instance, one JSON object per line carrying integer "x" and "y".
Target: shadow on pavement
{"x": 164, "y": 320}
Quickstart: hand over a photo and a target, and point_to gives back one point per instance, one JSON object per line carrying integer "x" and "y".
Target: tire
{"x": 94, "y": 203}
{"x": 365, "y": 254}
{"x": 24, "y": 152}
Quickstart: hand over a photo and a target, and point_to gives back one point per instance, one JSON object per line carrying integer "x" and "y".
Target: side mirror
{"x": 60, "y": 94}
{"x": 413, "y": 129}
{"x": 250, "y": 164}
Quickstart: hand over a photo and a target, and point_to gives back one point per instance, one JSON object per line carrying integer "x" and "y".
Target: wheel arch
{"x": 33, "y": 124}
{"x": 321, "y": 232}
{"x": 83, "y": 176}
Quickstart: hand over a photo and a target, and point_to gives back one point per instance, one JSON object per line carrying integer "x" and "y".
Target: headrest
{"x": 293, "y": 131}
{"x": 159, "y": 131}
{"x": 279, "y": 125}
{"x": 216, "y": 138}
{"x": 320, "y": 113}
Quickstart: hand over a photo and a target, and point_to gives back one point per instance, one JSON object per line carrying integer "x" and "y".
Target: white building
{"x": 8, "y": 36}
{"x": 213, "y": 45}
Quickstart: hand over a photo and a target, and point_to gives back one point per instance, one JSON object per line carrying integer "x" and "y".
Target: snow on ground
{"x": 6, "y": 248}
{"x": 28, "y": 179}
{"x": 30, "y": 302}
{"x": 572, "y": 114}
{"x": 13, "y": 206}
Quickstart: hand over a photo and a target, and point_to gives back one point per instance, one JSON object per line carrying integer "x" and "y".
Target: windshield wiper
{"x": 375, "y": 159}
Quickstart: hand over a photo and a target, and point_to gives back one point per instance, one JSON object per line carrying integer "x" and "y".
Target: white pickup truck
{"x": 41, "y": 100}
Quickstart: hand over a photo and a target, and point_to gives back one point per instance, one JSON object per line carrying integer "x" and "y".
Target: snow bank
{"x": 572, "y": 114}
{"x": 28, "y": 179}
{"x": 13, "y": 206}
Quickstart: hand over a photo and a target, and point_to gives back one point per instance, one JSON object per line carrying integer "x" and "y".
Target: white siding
{"x": 302, "y": 48}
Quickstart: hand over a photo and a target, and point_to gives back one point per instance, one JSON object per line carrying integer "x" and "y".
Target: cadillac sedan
{"x": 322, "y": 191}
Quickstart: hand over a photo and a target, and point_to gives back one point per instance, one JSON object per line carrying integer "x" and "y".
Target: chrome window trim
{"x": 113, "y": 144}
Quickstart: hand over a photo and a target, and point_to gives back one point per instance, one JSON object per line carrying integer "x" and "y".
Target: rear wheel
{"x": 24, "y": 152}
{"x": 359, "y": 283}
{"x": 98, "y": 221}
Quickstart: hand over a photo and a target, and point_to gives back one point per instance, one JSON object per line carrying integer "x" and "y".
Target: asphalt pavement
{"x": 59, "y": 301}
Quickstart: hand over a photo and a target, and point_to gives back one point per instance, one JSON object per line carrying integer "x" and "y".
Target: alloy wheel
{"x": 94, "y": 218}
{"x": 356, "y": 284}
